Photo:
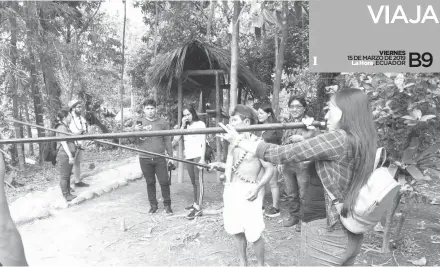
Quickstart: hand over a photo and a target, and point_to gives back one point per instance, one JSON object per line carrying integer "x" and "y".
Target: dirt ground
{"x": 90, "y": 233}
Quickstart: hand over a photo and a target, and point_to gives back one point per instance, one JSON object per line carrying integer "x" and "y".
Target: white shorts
{"x": 241, "y": 215}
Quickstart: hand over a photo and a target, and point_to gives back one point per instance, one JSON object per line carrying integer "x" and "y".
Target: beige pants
{"x": 77, "y": 167}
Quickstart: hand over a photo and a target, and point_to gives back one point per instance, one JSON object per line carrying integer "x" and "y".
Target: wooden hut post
{"x": 180, "y": 169}
{"x": 217, "y": 118}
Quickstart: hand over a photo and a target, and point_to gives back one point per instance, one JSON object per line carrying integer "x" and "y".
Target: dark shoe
{"x": 190, "y": 207}
{"x": 194, "y": 213}
{"x": 81, "y": 184}
{"x": 290, "y": 221}
{"x": 69, "y": 197}
{"x": 153, "y": 209}
{"x": 273, "y": 212}
{"x": 168, "y": 210}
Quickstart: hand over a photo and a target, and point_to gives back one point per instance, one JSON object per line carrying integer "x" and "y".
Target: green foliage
{"x": 421, "y": 166}
{"x": 404, "y": 106}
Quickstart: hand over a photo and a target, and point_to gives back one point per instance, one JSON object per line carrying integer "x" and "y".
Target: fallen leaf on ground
{"x": 419, "y": 262}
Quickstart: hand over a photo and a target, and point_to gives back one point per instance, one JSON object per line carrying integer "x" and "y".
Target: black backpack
{"x": 50, "y": 152}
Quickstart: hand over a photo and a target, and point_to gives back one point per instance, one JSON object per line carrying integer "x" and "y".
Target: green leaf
{"x": 415, "y": 173}
{"x": 430, "y": 150}
{"x": 432, "y": 173}
{"x": 408, "y": 85}
{"x": 407, "y": 117}
{"x": 427, "y": 117}
{"x": 431, "y": 163}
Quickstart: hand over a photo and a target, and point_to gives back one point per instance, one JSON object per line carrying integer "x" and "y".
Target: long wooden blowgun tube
{"x": 211, "y": 130}
{"x": 122, "y": 146}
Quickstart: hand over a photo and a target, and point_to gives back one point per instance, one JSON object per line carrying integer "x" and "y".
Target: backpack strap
{"x": 379, "y": 152}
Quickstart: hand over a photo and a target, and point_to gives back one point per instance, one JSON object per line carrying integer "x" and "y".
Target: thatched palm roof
{"x": 198, "y": 55}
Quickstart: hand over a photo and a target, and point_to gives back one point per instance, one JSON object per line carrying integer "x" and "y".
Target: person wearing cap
{"x": 246, "y": 176}
{"x": 77, "y": 125}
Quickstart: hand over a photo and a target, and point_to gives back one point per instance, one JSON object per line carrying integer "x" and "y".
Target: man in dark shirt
{"x": 153, "y": 166}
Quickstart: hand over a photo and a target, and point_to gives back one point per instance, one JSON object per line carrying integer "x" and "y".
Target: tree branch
{"x": 89, "y": 21}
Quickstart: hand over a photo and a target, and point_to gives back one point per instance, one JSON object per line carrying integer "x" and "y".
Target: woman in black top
{"x": 266, "y": 115}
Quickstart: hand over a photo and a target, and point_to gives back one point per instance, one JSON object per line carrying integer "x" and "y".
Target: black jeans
{"x": 65, "y": 170}
{"x": 152, "y": 167}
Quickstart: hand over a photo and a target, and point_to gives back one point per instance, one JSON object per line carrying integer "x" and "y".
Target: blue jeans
{"x": 152, "y": 168}
{"x": 296, "y": 181}
{"x": 321, "y": 247}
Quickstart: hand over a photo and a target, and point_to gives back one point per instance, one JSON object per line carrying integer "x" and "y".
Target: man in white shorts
{"x": 242, "y": 196}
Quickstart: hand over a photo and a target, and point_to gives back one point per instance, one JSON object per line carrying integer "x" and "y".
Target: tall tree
{"x": 234, "y": 56}
{"x": 14, "y": 84}
{"x": 35, "y": 92}
{"x": 211, "y": 17}
{"x": 48, "y": 59}
{"x": 122, "y": 71}
{"x": 280, "y": 59}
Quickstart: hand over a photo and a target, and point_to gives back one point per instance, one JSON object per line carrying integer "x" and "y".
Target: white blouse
{"x": 193, "y": 143}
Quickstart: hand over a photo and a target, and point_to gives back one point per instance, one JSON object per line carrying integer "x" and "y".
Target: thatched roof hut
{"x": 198, "y": 55}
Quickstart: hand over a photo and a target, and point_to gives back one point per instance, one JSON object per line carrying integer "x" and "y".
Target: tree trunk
{"x": 53, "y": 90}
{"x": 240, "y": 92}
{"x": 35, "y": 93}
{"x": 234, "y": 56}
{"x": 156, "y": 35}
{"x": 122, "y": 71}
{"x": 226, "y": 105}
{"x": 21, "y": 126}
{"x": 73, "y": 69}
{"x": 29, "y": 130}
{"x": 299, "y": 24}
{"x": 211, "y": 16}
{"x": 14, "y": 84}
{"x": 280, "y": 61}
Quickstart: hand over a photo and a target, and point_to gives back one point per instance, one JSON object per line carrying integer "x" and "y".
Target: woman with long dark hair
{"x": 267, "y": 115}
{"x": 343, "y": 159}
{"x": 195, "y": 148}
{"x": 66, "y": 155}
